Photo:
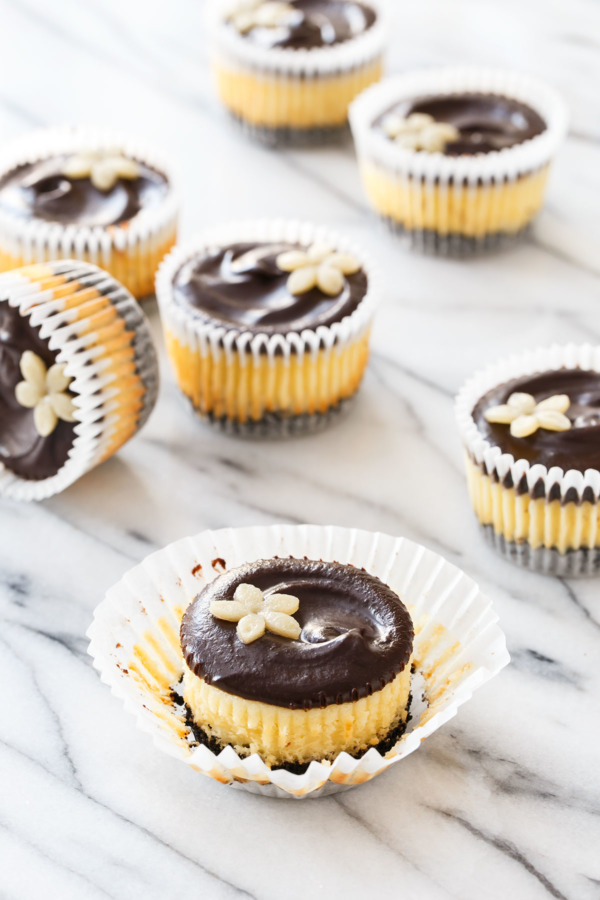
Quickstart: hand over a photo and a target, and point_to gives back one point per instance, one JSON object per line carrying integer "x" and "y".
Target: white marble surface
{"x": 505, "y": 800}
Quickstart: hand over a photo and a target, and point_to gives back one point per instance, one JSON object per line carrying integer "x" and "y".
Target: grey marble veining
{"x": 505, "y": 799}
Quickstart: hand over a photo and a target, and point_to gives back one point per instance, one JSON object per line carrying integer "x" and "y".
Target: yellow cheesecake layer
{"x": 522, "y": 519}
{"x": 473, "y": 211}
{"x": 281, "y": 735}
{"x": 285, "y": 101}
{"x": 135, "y": 266}
{"x": 306, "y": 384}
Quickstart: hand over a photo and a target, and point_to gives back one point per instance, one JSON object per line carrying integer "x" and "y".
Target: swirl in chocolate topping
{"x": 356, "y": 636}
{"x": 486, "y": 122}
{"x": 578, "y": 448}
{"x": 22, "y": 450}
{"x": 242, "y": 286}
{"x": 316, "y": 23}
{"x": 40, "y": 190}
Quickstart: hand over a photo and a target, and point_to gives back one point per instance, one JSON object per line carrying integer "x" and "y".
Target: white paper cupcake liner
{"x": 212, "y": 338}
{"x": 426, "y": 170}
{"x": 134, "y": 242}
{"x": 134, "y": 643}
{"x": 313, "y": 63}
{"x": 97, "y": 390}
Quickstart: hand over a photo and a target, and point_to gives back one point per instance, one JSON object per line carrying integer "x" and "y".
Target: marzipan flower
{"x": 319, "y": 267}
{"x": 259, "y": 14}
{"x": 525, "y": 416}
{"x": 103, "y": 169}
{"x": 45, "y": 391}
{"x": 255, "y": 613}
{"x": 420, "y": 131}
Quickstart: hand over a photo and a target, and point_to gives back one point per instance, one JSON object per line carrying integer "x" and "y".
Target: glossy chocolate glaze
{"x": 356, "y": 636}
{"x": 578, "y": 448}
{"x": 40, "y": 191}
{"x": 22, "y": 450}
{"x": 251, "y": 294}
{"x": 319, "y": 23}
{"x": 486, "y": 122}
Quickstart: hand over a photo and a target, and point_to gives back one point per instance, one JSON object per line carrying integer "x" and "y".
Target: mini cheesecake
{"x": 96, "y": 197}
{"x": 532, "y": 441}
{"x": 297, "y": 660}
{"x": 288, "y": 70}
{"x": 268, "y": 328}
{"x": 78, "y": 374}
{"x": 457, "y": 159}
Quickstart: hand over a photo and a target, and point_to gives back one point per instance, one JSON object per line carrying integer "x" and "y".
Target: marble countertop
{"x": 502, "y": 801}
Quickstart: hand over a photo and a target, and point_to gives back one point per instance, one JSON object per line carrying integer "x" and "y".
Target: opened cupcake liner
{"x": 103, "y": 339}
{"x": 244, "y": 351}
{"x": 572, "y": 488}
{"x": 130, "y": 251}
{"x": 135, "y": 643}
{"x": 283, "y": 94}
{"x": 456, "y": 202}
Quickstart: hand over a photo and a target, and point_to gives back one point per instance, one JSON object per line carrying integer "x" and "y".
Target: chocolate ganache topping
{"x": 575, "y": 448}
{"x": 356, "y": 636}
{"x": 22, "y": 450}
{"x": 243, "y": 287}
{"x": 41, "y": 190}
{"x": 306, "y": 24}
{"x": 485, "y": 122}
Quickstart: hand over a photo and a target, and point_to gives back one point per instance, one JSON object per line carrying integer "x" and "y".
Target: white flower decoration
{"x": 255, "y": 613}
{"x": 525, "y": 416}
{"x": 319, "y": 266}
{"x": 260, "y": 14}
{"x": 103, "y": 169}
{"x": 420, "y": 131}
{"x": 44, "y": 391}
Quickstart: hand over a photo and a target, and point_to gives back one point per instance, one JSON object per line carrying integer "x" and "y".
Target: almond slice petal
{"x": 80, "y": 165}
{"x": 524, "y": 426}
{"x": 228, "y": 610}
{"x": 282, "y": 603}
{"x": 56, "y": 380}
{"x": 250, "y": 628}
{"x": 525, "y": 403}
{"x": 302, "y": 280}
{"x": 27, "y": 394}
{"x": 291, "y": 260}
{"x": 330, "y": 280}
{"x": 284, "y": 626}
{"x": 501, "y": 415}
{"x": 63, "y": 406}
{"x": 559, "y": 403}
{"x": 345, "y": 262}
{"x": 552, "y": 420}
{"x": 44, "y": 418}
{"x": 33, "y": 369}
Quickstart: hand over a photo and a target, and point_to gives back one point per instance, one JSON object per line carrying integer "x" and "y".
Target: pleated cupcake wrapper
{"x": 425, "y": 170}
{"x": 35, "y": 240}
{"x": 238, "y": 52}
{"x": 135, "y": 642}
{"x": 499, "y": 465}
{"x": 97, "y": 391}
{"x": 211, "y": 338}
